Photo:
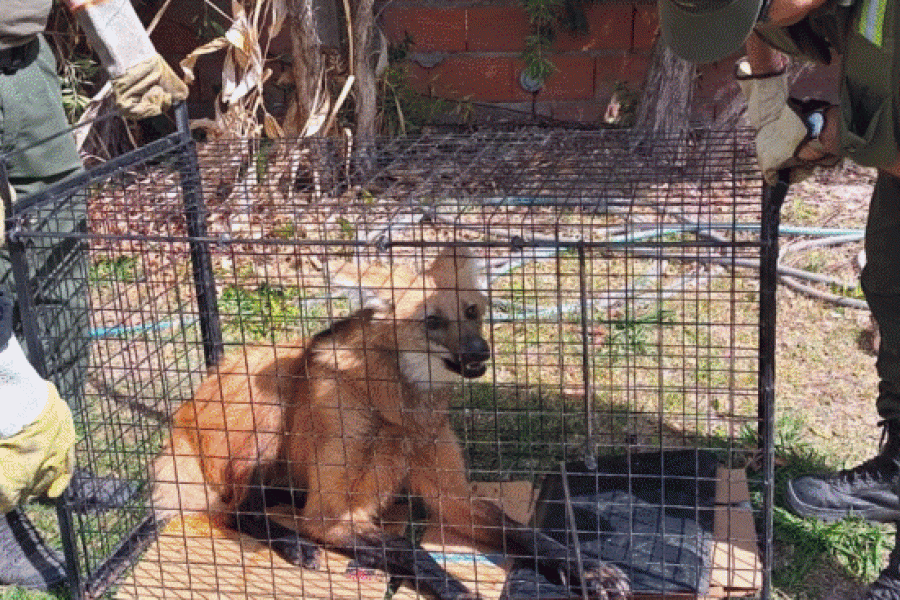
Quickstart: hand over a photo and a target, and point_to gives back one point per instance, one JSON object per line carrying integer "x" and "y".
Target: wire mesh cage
{"x": 494, "y": 362}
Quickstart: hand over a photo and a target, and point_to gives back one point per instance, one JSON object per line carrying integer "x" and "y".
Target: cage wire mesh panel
{"x": 621, "y": 316}
{"x": 110, "y": 315}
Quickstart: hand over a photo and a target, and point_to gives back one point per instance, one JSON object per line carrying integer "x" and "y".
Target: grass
{"x": 123, "y": 269}
{"x": 257, "y": 312}
{"x": 811, "y": 555}
{"x": 15, "y": 593}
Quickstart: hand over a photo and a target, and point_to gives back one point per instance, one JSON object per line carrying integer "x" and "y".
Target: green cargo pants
{"x": 881, "y": 284}
{"x": 31, "y": 114}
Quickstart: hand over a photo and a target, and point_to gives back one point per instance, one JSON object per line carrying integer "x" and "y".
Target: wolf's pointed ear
{"x": 363, "y": 285}
{"x": 457, "y": 267}
{"x": 374, "y": 287}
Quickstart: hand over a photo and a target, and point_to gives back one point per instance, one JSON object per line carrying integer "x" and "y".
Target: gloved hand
{"x": 148, "y": 88}
{"x": 143, "y": 84}
{"x": 782, "y": 125}
{"x": 37, "y": 434}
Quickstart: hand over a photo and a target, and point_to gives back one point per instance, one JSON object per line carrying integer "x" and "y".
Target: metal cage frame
{"x": 91, "y": 576}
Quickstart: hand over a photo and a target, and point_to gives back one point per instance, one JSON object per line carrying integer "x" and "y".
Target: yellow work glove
{"x": 780, "y": 131}
{"x": 148, "y": 88}
{"x": 38, "y": 462}
{"x": 37, "y": 434}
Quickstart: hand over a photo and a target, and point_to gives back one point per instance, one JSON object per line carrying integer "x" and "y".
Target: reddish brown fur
{"x": 343, "y": 415}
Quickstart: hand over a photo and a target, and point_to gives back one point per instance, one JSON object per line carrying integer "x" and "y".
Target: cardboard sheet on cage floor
{"x": 193, "y": 559}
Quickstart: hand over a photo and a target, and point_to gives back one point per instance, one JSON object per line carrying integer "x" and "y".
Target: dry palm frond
{"x": 244, "y": 73}
{"x": 240, "y": 108}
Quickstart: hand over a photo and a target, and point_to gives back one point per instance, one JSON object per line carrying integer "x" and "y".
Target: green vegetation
{"x": 15, "y": 593}
{"x": 121, "y": 269}
{"x": 260, "y": 312}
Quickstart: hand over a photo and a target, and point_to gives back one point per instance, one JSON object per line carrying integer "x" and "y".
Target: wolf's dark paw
{"x": 298, "y": 552}
{"x": 604, "y": 581}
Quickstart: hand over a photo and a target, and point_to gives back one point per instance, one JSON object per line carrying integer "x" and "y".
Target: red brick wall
{"x": 477, "y": 49}
{"x": 470, "y": 49}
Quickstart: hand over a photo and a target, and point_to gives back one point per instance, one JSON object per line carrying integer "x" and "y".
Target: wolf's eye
{"x": 471, "y": 312}
{"x": 433, "y": 322}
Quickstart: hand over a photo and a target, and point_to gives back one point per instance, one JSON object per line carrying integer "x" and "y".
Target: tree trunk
{"x": 308, "y": 65}
{"x": 363, "y": 69}
{"x": 665, "y": 105}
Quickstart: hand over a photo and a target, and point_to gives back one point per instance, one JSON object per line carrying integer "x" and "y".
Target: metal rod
{"x": 570, "y": 517}
{"x": 196, "y": 213}
{"x": 590, "y": 450}
{"x": 124, "y": 556}
{"x": 772, "y": 199}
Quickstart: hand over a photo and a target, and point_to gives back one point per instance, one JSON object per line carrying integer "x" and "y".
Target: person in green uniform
{"x": 797, "y": 136}
{"x": 36, "y": 428}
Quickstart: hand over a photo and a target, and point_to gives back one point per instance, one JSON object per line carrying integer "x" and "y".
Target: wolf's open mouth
{"x": 468, "y": 370}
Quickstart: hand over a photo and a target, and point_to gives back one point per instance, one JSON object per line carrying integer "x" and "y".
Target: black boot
{"x": 25, "y": 559}
{"x": 887, "y": 586}
{"x": 868, "y": 491}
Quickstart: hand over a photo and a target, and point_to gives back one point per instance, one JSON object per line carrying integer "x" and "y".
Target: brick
{"x": 418, "y": 78}
{"x": 465, "y": 76}
{"x": 573, "y": 79}
{"x": 626, "y": 68}
{"x": 609, "y": 28}
{"x": 497, "y": 29}
{"x": 431, "y": 29}
{"x": 646, "y": 27}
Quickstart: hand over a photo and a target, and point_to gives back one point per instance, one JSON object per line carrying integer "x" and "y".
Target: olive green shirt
{"x": 866, "y": 33}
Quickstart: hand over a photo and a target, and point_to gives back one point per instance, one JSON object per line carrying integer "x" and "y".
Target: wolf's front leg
{"x": 343, "y": 502}
{"x": 553, "y": 560}
{"x": 599, "y": 579}
{"x": 251, "y": 519}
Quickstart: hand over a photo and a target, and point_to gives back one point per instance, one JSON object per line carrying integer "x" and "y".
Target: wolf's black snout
{"x": 474, "y": 350}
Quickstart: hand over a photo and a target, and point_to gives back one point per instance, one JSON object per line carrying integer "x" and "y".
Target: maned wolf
{"x": 351, "y": 418}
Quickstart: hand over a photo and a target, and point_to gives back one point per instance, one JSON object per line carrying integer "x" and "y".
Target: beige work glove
{"x": 148, "y": 88}
{"x": 39, "y": 460}
{"x": 780, "y": 131}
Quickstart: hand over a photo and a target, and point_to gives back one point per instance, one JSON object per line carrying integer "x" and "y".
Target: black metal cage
{"x": 629, "y": 391}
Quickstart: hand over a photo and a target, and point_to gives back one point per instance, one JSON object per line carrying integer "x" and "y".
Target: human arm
{"x": 143, "y": 83}
{"x": 789, "y": 133}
